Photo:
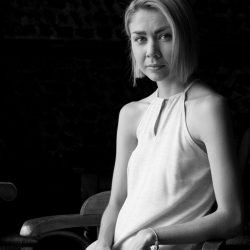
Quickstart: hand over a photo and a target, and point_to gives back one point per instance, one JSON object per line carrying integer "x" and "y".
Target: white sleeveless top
{"x": 168, "y": 174}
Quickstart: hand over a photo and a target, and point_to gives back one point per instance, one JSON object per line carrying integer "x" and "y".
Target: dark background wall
{"x": 65, "y": 77}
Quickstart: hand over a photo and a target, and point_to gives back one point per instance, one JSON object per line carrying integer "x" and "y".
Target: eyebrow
{"x": 155, "y": 32}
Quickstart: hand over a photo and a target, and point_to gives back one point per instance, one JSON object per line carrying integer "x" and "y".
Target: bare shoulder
{"x": 202, "y": 99}
{"x": 204, "y": 107}
{"x": 131, "y": 113}
{"x": 133, "y": 109}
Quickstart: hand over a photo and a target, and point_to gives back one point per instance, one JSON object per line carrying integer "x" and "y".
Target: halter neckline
{"x": 172, "y": 96}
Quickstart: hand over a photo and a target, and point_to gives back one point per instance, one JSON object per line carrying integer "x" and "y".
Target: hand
{"x": 143, "y": 240}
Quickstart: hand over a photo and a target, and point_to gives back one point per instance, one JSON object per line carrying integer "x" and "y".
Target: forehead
{"x": 147, "y": 19}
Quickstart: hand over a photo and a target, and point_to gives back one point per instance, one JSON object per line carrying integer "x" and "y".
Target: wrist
{"x": 150, "y": 236}
{"x": 145, "y": 237}
{"x": 154, "y": 238}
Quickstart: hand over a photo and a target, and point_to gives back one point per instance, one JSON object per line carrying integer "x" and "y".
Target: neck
{"x": 170, "y": 88}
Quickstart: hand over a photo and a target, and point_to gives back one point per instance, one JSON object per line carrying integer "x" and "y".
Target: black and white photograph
{"x": 125, "y": 125}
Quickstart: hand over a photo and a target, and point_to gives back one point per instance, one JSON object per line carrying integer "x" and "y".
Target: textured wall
{"x": 97, "y": 19}
{"x": 102, "y": 19}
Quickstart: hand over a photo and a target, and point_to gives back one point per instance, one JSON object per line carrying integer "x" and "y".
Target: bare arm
{"x": 214, "y": 130}
{"x": 126, "y": 142}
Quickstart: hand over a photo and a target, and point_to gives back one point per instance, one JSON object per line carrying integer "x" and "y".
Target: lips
{"x": 155, "y": 66}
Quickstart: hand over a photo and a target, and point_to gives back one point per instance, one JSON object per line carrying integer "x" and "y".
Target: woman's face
{"x": 151, "y": 40}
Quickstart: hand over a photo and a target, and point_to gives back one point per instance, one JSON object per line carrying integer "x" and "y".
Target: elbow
{"x": 233, "y": 225}
{"x": 235, "y": 229}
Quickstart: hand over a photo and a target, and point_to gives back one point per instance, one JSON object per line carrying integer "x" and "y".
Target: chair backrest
{"x": 244, "y": 151}
{"x": 96, "y": 204}
{"x": 244, "y": 157}
{"x": 8, "y": 191}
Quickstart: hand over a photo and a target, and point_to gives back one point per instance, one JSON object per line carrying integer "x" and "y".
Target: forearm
{"x": 213, "y": 226}
{"x": 107, "y": 228}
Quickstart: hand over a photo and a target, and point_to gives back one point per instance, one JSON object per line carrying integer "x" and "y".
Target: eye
{"x": 166, "y": 37}
{"x": 139, "y": 39}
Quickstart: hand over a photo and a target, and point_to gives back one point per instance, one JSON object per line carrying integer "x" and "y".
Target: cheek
{"x": 167, "y": 53}
{"x": 168, "y": 56}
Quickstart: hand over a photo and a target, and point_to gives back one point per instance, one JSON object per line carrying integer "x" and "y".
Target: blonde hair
{"x": 180, "y": 18}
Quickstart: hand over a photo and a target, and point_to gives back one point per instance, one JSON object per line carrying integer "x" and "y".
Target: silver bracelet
{"x": 156, "y": 245}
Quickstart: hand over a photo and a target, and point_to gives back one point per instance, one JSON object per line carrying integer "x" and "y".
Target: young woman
{"x": 175, "y": 153}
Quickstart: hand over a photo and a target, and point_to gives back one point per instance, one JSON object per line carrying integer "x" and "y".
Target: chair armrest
{"x": 38, "y": 226}
{"x": 237, "y": 243}
{"x": 212, "y": 245}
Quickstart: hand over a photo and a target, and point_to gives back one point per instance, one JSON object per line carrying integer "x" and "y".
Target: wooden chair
{"x": 50, "y": 229}
{"x": 55, "y": 227}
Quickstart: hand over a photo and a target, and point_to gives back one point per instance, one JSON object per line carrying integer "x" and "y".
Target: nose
{"x": 153, "y": 50}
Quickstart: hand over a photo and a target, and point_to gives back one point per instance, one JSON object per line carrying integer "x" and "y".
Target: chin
{"x": 157, "y": 78}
